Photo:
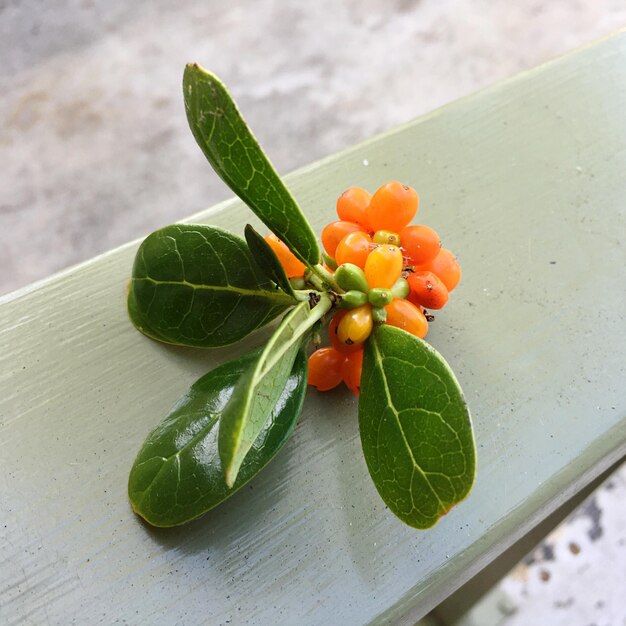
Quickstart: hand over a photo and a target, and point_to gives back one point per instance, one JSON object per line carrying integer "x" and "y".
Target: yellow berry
{"x": 383, "y": 266}
{"x": 386, "y": 236}
{"x": 355, "y": 326}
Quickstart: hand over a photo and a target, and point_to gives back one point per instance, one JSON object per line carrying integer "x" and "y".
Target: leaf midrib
{"x": 260, "y": 370}
{"x": 279, "y": 297}
{"x": 278, "y": 346}
{"x": 416, "y": 465}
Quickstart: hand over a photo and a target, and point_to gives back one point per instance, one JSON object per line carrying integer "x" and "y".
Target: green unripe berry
{"x": 352, "y": 299}
{"x": 379, "y": 314}
{"x": 401, "y": 289}
{"x": 380, "y": 297}
{"x": 329, "y": 261}
{"x": 351, "y": 277}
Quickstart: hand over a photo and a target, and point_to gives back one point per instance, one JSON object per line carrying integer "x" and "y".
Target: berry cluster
{"x": 389, "y": 271}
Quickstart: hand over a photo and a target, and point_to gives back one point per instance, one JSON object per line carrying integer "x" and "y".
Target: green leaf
{"x": 177, "y": 475}
{"x": 237, "y": 158}
{"x": 415, "y": 428}
{"x": 259, "y": 388}
{"x": 266, "y": 260}
{"x": 197, "y": 285}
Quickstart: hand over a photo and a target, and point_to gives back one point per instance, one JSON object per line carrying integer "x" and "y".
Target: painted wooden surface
{"x": 526, "y": 183}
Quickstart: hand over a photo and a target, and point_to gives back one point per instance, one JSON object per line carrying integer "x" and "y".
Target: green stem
{"x": 304, "y": 295}
{"x": 326, "y": 277}
{"x": 314, "y": 280}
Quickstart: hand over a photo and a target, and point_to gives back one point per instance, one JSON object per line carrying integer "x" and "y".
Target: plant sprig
{"x": 197, "y": 285}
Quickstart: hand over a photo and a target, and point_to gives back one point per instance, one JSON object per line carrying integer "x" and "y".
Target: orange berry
{"x": 353, "y": 248}
{"x": 351, "y": 371}
{"x": 383, "y": 266}
{"x": 293, "y": 267}
{"x": 421, "y": 243}
{"x": 355, "y": 326}
{"x": 403, "y": 314}
{"x": 334, "y": 232}
{"x": 352, "y": 206}
{"x": 334, "y": 338}
{"x": 446, "y": 267}
{"x": 427, "y": 290}
{"x": 392, "y": 207}
{"x": 325, "y": 368}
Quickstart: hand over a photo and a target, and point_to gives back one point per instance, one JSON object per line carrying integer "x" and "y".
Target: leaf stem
{"x": 322, "y": 279}
{"x": 313, "y": 280}
{"x": 304, "y": 295}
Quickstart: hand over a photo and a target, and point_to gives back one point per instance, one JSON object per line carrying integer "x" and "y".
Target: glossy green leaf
{"x": 237, "y": 158}
{"x": 259, "y": 388}
{"x": 266, "y": 260}
{"x": 177, "y": 475}
{"x": 197, "y": 285}
{"x": 415, "y": 428}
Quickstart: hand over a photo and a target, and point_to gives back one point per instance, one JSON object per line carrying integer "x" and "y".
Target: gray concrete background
{"x": 94, "y": 145}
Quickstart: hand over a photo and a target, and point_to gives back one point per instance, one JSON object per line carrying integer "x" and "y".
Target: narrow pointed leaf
{"x": 237, "y": 158}
{"x": 415, "y": 428}
{"x": 259, "y": 388}
{"x": 177, "y": 475}
{"x": 197, "y": 285}
{"x": 266, "y": 260}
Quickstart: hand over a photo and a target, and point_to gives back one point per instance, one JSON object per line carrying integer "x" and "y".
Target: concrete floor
{"x": 573, "y": 577}
{"x": 95, "y": 149}
{"x": 577, "y": 575}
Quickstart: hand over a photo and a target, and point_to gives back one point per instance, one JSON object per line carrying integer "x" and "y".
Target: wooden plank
{"x": 526, "y": 182}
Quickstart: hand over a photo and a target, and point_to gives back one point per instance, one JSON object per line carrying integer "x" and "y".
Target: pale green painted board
{"x": 527, "y": 183}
